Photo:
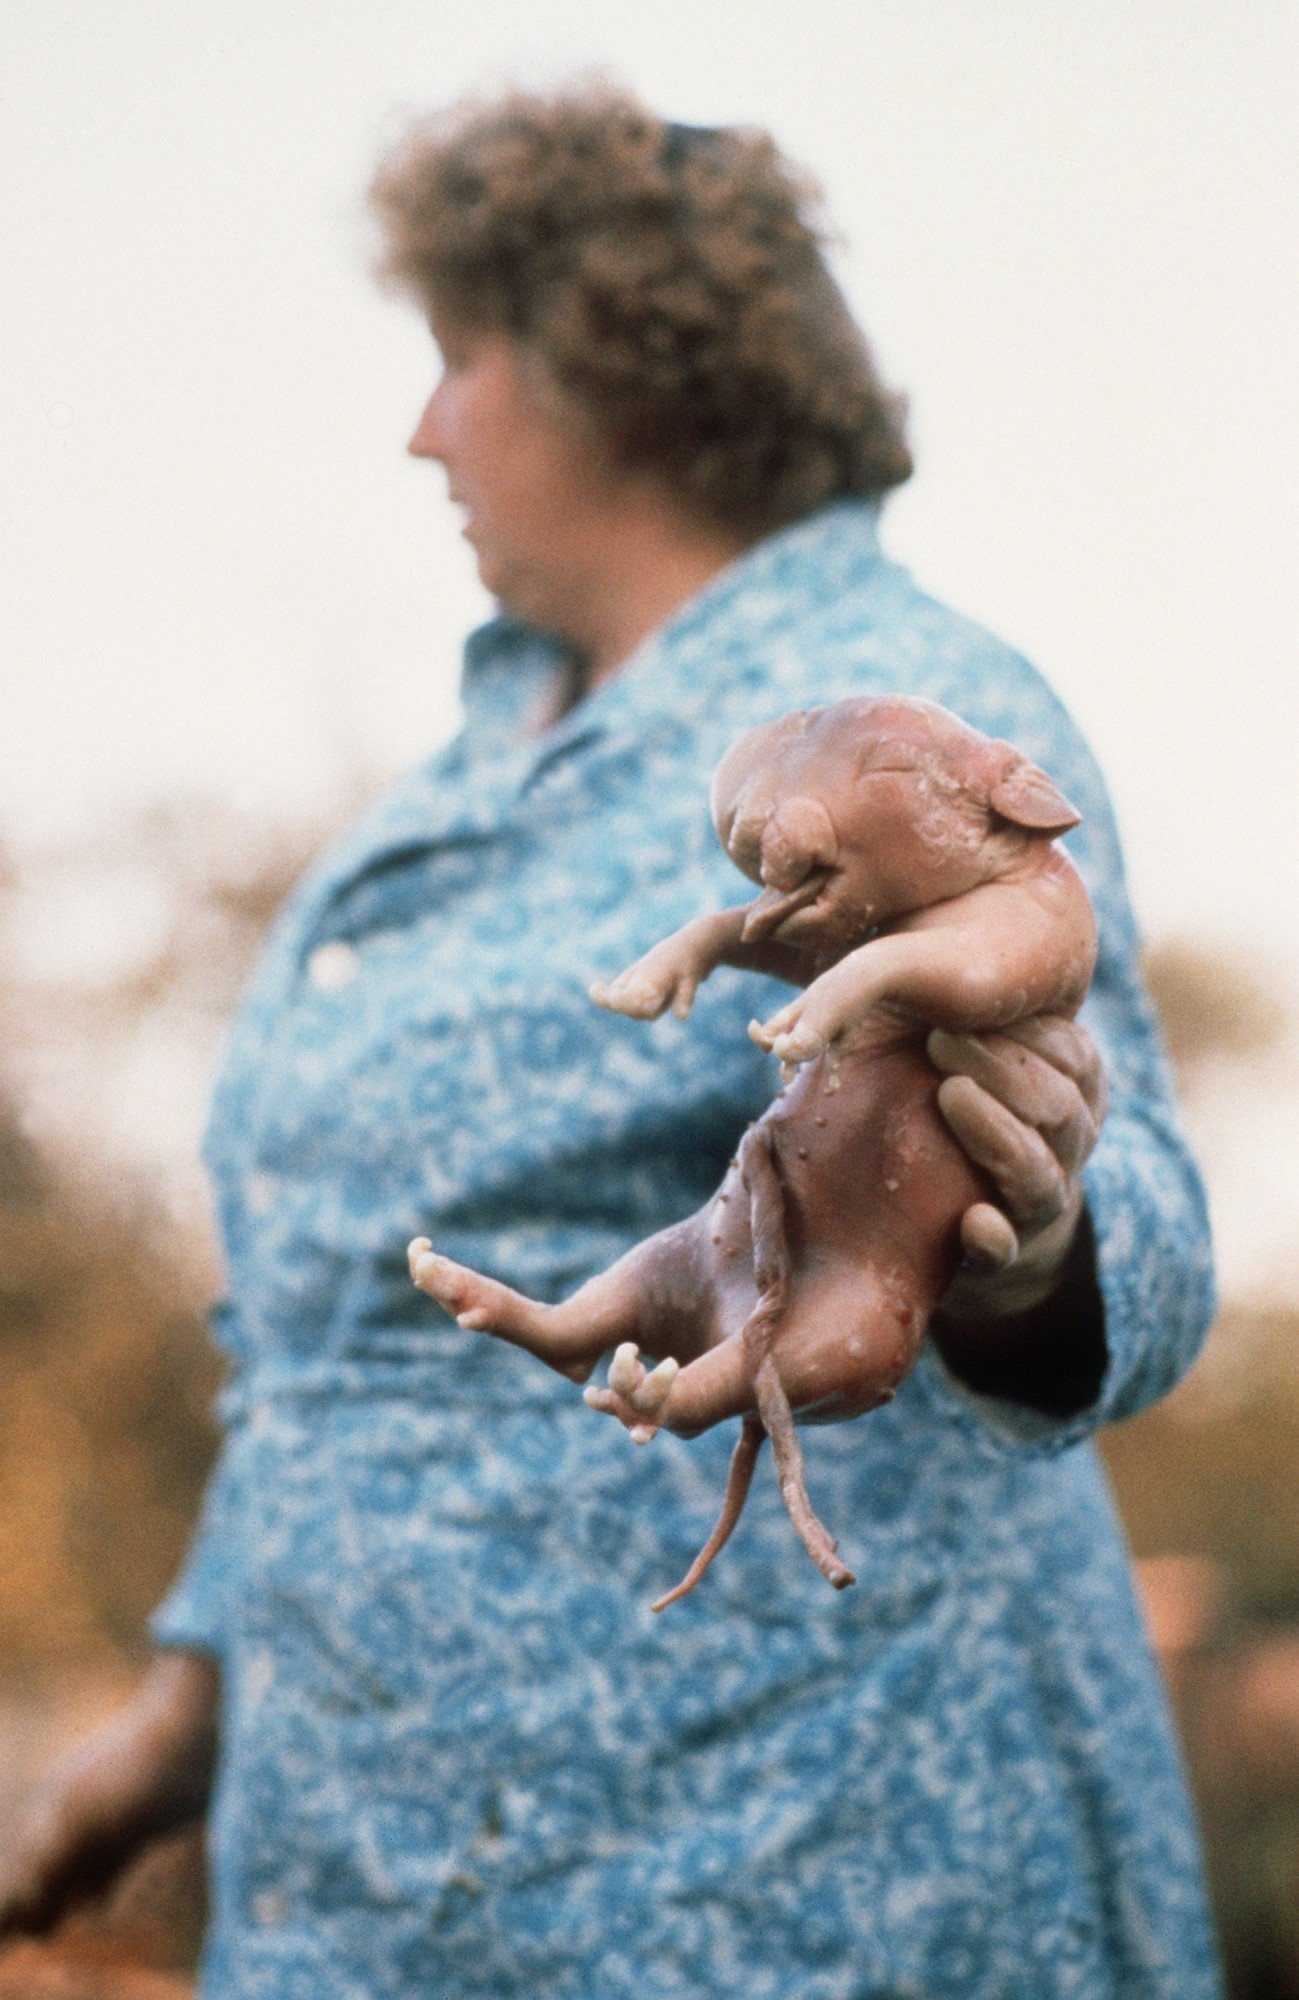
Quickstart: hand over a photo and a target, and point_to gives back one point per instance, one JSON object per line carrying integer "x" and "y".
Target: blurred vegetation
{"x": 1210, "y": 1471}
{"x": 107, "y": 1267}
{"x": 105, "y": 1435}
{"x": 1211, "y": 1003}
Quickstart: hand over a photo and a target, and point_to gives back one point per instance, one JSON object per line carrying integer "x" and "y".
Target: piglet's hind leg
{"x": 738, "y": 1482}
{"x": 570, "y": 1337}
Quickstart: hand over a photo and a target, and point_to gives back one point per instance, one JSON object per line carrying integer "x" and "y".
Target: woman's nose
{"x": 427, "y": 439}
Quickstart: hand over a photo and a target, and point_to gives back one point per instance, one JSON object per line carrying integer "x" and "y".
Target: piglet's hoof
{"x": 644, "y": 993}
{"x": 473, "y": 1301}
{"x": 635, "y": 1393}
{"x": 627, "y": 995}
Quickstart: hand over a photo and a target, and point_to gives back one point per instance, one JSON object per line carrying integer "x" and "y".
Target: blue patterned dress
{"x": 461, "y": 1757}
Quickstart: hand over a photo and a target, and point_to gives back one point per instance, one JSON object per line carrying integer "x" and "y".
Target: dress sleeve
{"x": 1146, "y": 1200}
{"x": 197, "y": 1612}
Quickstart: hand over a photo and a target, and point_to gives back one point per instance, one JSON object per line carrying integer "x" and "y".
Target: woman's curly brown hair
{"x": 670, "y": 279}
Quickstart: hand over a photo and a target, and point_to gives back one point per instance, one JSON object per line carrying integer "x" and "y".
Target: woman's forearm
{"x": 179, "y": 1705}
{"x": 146, "y": 1770}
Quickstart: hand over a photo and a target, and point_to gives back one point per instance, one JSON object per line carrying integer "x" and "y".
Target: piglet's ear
{"x": 1026, "y": 797}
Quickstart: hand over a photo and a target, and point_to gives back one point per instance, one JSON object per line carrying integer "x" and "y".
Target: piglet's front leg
{"x": 671, "y": 973}
{"x": 823, "y": 1016}
{"x": 938, "y": 978}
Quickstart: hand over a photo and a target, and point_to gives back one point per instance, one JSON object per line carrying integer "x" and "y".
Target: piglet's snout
{"x": 799, "y": 850}
{"x": 798, "y": 837}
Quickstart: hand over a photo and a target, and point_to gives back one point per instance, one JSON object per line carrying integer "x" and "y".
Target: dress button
{"x": 331, "y": 966}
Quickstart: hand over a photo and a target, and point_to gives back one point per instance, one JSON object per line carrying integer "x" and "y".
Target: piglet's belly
{"x": 872, "y": 1187}
{"x": 871, "y": 1173}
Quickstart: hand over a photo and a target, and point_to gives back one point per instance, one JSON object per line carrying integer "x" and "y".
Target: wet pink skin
{"x": 908, "y": 880}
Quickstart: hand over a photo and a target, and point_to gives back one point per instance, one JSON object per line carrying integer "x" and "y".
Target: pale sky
{"x": 1072, "y": 232}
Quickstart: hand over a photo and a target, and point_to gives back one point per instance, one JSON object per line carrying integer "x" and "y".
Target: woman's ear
{"x": 1025, "y": 796}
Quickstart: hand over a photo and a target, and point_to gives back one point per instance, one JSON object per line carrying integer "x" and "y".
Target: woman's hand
{"x": 145, "y": 1771}
{"x": 1026, "y": 1105}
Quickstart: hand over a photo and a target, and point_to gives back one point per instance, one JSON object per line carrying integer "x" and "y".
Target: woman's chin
{"x": 514, "y": 590}
{"x": 489, "y": 571}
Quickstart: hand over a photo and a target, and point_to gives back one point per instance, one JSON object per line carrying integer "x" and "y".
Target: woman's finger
{"x": 1028, "y": 1085}
{"x": 988, "y": 1239}
{"x": 1026, "y": 1173}
{"x": 1069, "y": 1047}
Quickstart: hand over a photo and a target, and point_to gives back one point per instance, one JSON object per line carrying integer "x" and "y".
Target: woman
{"x": 458, "y": 1756}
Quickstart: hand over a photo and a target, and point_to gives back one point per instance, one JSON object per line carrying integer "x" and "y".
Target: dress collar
{"x": 509, "y": 667}
{"x": 677, "y": 674}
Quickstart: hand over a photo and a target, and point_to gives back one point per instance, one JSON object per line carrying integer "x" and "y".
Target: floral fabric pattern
{"x": 461, "y": 1757}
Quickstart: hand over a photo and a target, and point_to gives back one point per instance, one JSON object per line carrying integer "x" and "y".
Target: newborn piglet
{"x": 908, "y": 881}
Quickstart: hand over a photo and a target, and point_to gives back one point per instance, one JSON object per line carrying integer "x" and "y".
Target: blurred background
{"x": 232, "y": 609}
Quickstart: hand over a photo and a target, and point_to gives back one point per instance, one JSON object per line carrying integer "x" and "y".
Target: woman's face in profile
{"x": 524, "y": 475}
